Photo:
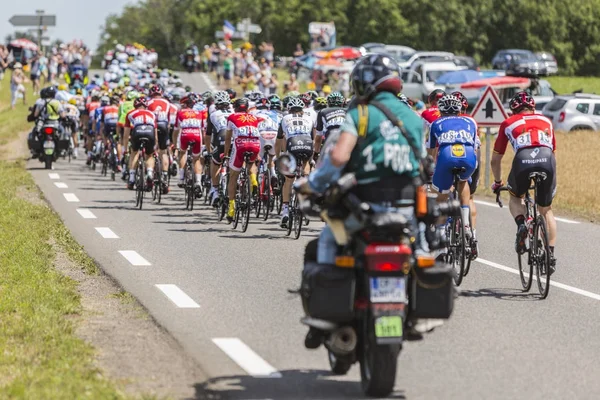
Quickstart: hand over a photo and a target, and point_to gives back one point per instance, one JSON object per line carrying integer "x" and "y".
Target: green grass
{"x": 569, "y": 84}
{"x": 41, "y": 357}
{"x": 12, "y": 122}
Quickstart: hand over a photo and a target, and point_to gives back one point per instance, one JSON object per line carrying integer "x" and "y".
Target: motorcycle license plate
{"x": 386, "y": 327}
{"x": 388, "y": 290}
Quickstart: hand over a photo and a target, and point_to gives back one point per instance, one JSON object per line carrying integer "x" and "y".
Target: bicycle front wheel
{"x": 246, "y": 205}
{"x": 457, "y": 240}
{"x": 541, "y": 254}
{"x": 141, "y": 184}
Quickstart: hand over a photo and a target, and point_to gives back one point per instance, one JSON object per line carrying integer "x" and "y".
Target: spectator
{"x": 298, "y": 52}
{"x": 3, "y": 61}
{"x": 293, "y": 84}
{"x": 34, "y": 72}
{"x": 17, "y": 89}
{"x": 273, "y": 84}
{"x": 268, "y": 51}
{"x": 228, "y": 68}
{"x": 248, "y": 82}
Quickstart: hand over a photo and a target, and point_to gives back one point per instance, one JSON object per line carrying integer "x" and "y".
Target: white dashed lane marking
{"x": 61, "y": 185}
{"x": 85, "y": 213}
{"x": 177, "y": 296}
{"x": 246, "y": 358}
{"x": 71, "y": 198}
{"x": 107, "y": 233}
{"x": 134, "y": 258}
{"x": 488, "y": 204}
{"x": 54, "y": 175}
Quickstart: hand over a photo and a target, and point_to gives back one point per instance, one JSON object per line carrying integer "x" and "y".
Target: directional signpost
{"x": 40, "y": 20}
{"x": 247, "y": 27}
{"x": 489, "y": 112}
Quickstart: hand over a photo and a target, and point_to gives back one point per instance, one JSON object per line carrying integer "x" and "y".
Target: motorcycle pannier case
{"x": 432, "y": 291}
{"x": 328, "y": 292}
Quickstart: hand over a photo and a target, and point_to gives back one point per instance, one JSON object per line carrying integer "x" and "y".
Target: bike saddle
{"x": 534, "y": 175}
{"x": 248, "y": 154}
{"x": 458, "y": 170}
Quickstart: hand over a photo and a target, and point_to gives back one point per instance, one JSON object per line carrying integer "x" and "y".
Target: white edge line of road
{"x": 487, "y": 203}
{"x": 53, "y": 175}
{"x": 106, "y": 233}
{"x": 61, "y": 185}
{"x": 134, "y": 258}
{"x": 85, "y": 213}
{"x": 246, "y": 358}
{"x": 71, "y": 198}
{"x": 210, "y": 85}
{"x": 177, "y": 296}
{"x": 552, "y": 283}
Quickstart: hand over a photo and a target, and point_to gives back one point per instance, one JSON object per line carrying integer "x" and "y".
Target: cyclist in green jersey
{"x": 124, "y": 108}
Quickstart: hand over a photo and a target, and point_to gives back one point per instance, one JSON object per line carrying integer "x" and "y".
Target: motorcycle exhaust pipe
{"x": 342, "y": 341}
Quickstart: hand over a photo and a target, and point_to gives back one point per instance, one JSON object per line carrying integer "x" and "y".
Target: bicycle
{"x": 157, "y": 179}
{"x": 206, "y": 178}
{"x": 189, "y": 178}
{"x": 112, "y": 157}
{"x": 295, "y": 215}
{"x": 537, "y": 247}
{"x": 243, "y": 197}
{"x": 223, "y": 200}
{"x": 140, "y": 174}
{"x": 266, "y": 196}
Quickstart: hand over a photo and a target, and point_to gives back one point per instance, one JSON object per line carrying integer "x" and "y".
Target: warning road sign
{"x": 489, "y": 110}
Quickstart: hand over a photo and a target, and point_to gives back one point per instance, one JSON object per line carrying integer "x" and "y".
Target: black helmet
{"x": 435, "y": 95}
{"x": 275, "y": 102}
{"x": 263, "y": 104}
{"x": 376, "y": 73}
{"x": 232, "y": 93}
{"x": 51, "y": 92}
{"x": 241, "y": 105}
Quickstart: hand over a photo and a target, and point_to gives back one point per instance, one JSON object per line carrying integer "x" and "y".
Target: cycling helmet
{"x": 263, "y": 104}
{"x": 168, "y": 96}
{"x": 207, "y": 98}
{"x": 306, "y": 99}
{"x": 255, "y": 96}
{"x": 435, "y": 95}
{"x": 450, "y": 105}
{"x": 156, "y": 90}
{"x": 188, "y": 101}
{"x": 140, "y": 102}
{"x": 115, "y": 100}
{"x": 232, "y": 93}
{"x": 175, "y": 96}
{"x": 295, "y": 104}
{"x": 79, "y": 91}
{"x": 294, "y": 93}
{"x": 241, "y": 105}
{"x": 104, "y": 100}
{"x": 335, "y": 99}
{"x": 313, "y": 94}
{"x": 376, "y": 73}
{"x": 463, "y": 100}
{"x": 521, "y": 101}
{"x": 132, "y": 95}
{"x": 188, "y": 88}
{"x": 320, "y": 103}
{"x": 51, "y": 92}
{"x": 222, "y": 98}
{"x": 404, "y": 99}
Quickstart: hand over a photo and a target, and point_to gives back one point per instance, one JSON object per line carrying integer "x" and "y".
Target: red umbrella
{"x": 24, "y": 44}
{"x": 346, "y": 52}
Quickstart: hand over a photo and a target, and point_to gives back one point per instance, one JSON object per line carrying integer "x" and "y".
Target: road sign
{"x": 236, "y": 35}
{"x": 246, "y": 25}
{"x": 489, "y": 110}
{"x": 33, "y": 20}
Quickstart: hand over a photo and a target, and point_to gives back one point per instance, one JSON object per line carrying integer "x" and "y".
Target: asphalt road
{"x": 223, "y": 295}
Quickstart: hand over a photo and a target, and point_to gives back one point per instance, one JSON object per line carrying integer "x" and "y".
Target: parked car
{"x": 574, "y": 112}
{"x": 420, "y": 79}
{"x": 407, "y": 60}
{"x": 519, "y": 62}
{"x": 466, "y": 61}
{"x": 372, "y": 47}
{"x": 399, "y": 52}
{"x": 549, "y": 61}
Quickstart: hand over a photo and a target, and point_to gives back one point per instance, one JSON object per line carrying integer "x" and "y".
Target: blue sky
{"x": 75, "y": 19}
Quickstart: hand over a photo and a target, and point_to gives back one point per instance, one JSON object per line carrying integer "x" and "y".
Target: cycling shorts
{"x": 526, "y": 161}
{"x": 243, "y": 145}
{"x": 301, "y": 147}
{"x": 163, "y": 135}
{"x": 110, "y": 130}
{"x": 186, "y": 138}
{"x": 143, "y": 131}
{"x": 267, "y": 139}
{"x": 453, "y": 156}
{"x": 217, "y": 144}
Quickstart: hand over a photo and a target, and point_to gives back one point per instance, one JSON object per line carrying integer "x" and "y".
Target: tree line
{"x": 478, "y": 28}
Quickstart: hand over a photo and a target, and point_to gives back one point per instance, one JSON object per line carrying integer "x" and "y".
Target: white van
{"x": 420, "y": 79}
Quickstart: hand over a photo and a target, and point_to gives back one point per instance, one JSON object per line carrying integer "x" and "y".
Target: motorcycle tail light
{"x": 48, "y": 131}
{"x": 387, "y": 257}
{"x": 561, "y": 116}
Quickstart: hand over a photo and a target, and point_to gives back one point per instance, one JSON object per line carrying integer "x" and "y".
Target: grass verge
{"x": 569, "y": 84}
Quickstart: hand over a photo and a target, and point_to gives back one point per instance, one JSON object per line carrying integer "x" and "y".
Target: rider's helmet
{"x": 132, "y": 95}
{"x": 263, "y": 104}
{"x": 295, "y": 104}
{"x": 313, "y": 94}
{"x": 449, "y": 105}
{"x": 293, "y": 93}
{"x": 241, "y": 105}
{"x": 115, "y": 100}
{"x": 104, "y": 101}
{"x": 168, "y": 96}
{"x": 188, "y": 101}
{"x": 255, "y": 96}
{"x": 141, "y": 102}
{"x": 275, "y": 102}
{"x": 155, "y": 90}
{"x": 434, "y": 96}
{"x": 335, "y": 99}
{"x": 521, "y": 101}
{"x": 306, "y": 99}
{"x": 207, "y": 98}
{"x": 175, "y": 97}
{"x": 222, "y": 99}
{"x": 72, "y": 101}
{"x": 232, "y": 93}
{"x": 376, "y": 73}
{"x": 463, "y": 100}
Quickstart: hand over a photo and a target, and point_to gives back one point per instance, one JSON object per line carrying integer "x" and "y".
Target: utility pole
{"x": 40, "y": 14}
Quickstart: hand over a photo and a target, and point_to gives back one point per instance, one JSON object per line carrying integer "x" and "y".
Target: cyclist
{"x": 109, "y": 120}
{"x": 453, "y": 139}
{"x": 329, "y": 118}
{"x": 533, "y": 140}
{"x": 124, "y": 108}
{"x": 72, "y": 119}
{"x": 295, "y": 134}
{"x": 141, "y": 123}
{"x": 188, "y": 128}
{"x": 320, "y": 104}
{"x": 92, "y": 106}
{"x": 309, "y": 110}
{"x": 242, "y": 128}
{"x": 268, "y": 133}
{"x": 161, "y": 108}
{"x": 275, "y": 103}
{"x": 216, "y": 129}
{"x": 432, "y": 113}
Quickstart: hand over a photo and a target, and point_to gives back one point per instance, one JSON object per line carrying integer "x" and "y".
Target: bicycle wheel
{"x": 158, "y": 181}
{"x": 141, "y": 184}
{"x": 298, "y": 219}
{"x": 291, "y": 215}
{"x": 258, "y": 207}
{"x": 541, "y": 255}
{"x": 190, "y": 186}
{"x": 246, "y": 205}
{"x": 458, "y": 245}
{"x": 526, "y": 276}
{"x": 265, "y": 197}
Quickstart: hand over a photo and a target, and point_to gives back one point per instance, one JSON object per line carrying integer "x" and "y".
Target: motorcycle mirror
{"x": 286, "y": 164}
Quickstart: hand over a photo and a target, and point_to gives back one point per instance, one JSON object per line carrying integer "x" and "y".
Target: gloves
{"x": 497, "y": 185}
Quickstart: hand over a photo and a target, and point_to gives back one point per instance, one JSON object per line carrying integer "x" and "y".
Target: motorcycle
{"x": 190, "y": 63}
{"x": 366, "y": 304}
{"x": 49, "y": 144}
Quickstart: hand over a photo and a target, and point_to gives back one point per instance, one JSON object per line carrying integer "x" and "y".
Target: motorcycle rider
{"x": 385, "y": 157}
{"x": 46, "y": 108}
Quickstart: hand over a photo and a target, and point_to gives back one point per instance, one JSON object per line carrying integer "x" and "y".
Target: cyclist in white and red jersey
{"x": 242, "y": 128}
{"x": 532, "y": 138}
{"x": 188, "y": 126}
{"x": 161, "y": 109}
{"x": 141, "y": 123}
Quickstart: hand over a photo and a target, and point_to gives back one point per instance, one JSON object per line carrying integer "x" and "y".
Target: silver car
{"x": 549, "y": 61}
{"x": 574, "y": 112}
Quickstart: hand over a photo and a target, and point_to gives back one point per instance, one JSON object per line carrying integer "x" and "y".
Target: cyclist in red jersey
{"x": 91, "y": 109}
{"x": 242, "y": 127}
{"x": 432, "y": 113}
{"x": 140, "y": 123}
{"x": 532, "y": 138}
{"x": 188, "y": 126}
{"x": 161, "y": 109}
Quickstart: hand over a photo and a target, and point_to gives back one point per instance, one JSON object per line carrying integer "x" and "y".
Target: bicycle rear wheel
{"x": 541, "y": 255}
{"x": 158, "y": 181}
{"x": 140, "y": 184}
{"x": 298, "y": 219}
{"x": 265, "y": 196}
{"x": 246, "y": 205}
{"x": 458, "y": 246}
